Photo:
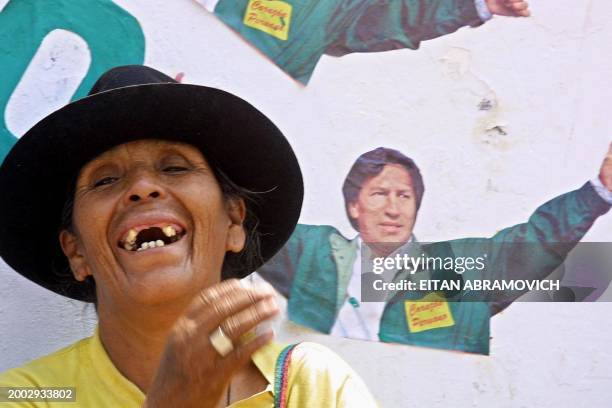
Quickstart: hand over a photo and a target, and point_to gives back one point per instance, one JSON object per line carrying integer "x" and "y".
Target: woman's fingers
{"x": 242, "y": 322}
{"x": 236, "y": 326}
{"x": 235, "y": 307}
{"x": 217, "y": 303}
{"x": 241, "y": 355}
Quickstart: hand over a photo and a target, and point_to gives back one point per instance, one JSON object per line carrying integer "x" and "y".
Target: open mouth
{"x": 137, "y": 240}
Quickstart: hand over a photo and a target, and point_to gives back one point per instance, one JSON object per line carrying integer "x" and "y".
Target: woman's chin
{"x": 163, "y": 285}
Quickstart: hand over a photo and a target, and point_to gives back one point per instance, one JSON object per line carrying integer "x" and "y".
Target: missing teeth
{"x": 153, "y": 237}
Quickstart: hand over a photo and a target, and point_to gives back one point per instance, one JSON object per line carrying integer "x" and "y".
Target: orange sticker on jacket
{"x": 270, "y": 16}
{"x": 431, "y": 312}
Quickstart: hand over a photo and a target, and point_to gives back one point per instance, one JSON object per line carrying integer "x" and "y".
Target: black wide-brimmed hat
{"x": 126, "y": 104}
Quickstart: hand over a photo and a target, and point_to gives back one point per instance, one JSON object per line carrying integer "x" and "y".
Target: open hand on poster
{"x": 513, "y": 8}
{"x": 605, "y": 173}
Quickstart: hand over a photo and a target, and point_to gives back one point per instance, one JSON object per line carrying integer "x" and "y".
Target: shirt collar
{"x": 106, "y": 370}
{"x": 264, "y": 359}
{"x": 358, "y": 242}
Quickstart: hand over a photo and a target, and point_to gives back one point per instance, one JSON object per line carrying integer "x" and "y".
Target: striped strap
{"x": 281, "y": 376}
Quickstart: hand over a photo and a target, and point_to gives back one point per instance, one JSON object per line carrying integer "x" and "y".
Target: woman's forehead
{"x": 147, "y": 148}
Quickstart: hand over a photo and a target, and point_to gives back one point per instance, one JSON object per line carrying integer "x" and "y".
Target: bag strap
{"x": 281, "y": 376}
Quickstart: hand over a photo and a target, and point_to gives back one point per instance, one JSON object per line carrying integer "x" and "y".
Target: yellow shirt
{"x": 317, "y": 378}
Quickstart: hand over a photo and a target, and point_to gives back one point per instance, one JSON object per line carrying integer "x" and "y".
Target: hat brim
{"x": 36, "y": 176}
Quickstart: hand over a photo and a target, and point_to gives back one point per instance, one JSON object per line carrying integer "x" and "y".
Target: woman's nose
{"x": 138, "y": 197}
{"x": 144, "y": 187}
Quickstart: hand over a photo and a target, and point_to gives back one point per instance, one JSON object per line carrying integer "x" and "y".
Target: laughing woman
{"x": 151, "y": 199}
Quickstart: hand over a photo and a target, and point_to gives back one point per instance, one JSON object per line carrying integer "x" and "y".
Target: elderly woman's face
{"x": 150, "y": 223}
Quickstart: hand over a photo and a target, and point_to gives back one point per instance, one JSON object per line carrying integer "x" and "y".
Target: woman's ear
{"x": 72, "y": 249}
{"x": 236, "y": 235}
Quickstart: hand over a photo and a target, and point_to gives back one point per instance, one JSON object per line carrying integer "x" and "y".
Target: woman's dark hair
{"x": 250, "y": 255}
{"x": 369, "y": 165}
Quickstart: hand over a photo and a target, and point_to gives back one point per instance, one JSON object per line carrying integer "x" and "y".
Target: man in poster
{"x": 319, "y": 271}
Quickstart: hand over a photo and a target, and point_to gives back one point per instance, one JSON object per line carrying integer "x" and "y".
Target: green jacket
{"x": 314, "y": 267}
{"x": 296, "y": 33}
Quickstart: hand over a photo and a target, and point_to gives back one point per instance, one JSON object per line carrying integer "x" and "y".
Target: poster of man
{"x": 320, "y": 271}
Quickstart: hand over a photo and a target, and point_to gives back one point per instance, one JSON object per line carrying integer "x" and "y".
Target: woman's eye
{"x": 105, "y": 181}
{"x": 174, "y": 169}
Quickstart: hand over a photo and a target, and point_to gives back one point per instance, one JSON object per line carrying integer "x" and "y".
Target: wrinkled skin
{"x": 158, "y": 307}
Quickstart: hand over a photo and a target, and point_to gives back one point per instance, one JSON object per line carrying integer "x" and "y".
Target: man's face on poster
{"x": 385, "y": 209}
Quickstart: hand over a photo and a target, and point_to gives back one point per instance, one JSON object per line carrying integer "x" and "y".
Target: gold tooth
{"x": 131, "y": 237}
{"x": 169, "y": 231}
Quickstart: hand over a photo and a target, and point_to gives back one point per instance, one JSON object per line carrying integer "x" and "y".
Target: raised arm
{"x": 363, "y": 26}
{"x": 536, "y": 248}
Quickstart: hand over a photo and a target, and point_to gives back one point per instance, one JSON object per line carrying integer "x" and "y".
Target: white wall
{"x": 550, "y": 79}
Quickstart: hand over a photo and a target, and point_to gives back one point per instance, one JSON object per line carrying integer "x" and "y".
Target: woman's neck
{"x": 135, "y": 340}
